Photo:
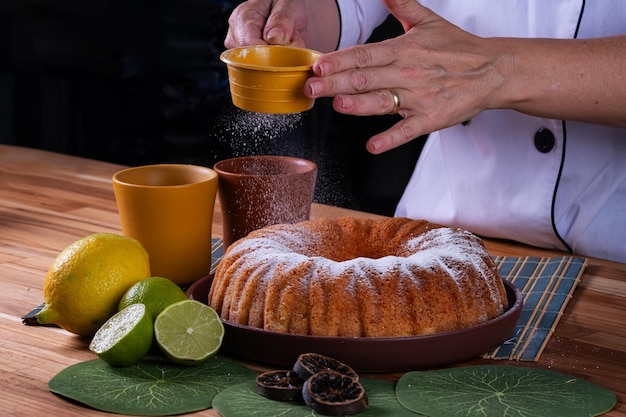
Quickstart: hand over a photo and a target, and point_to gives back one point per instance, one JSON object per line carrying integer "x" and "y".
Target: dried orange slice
{"x": 281, "y": 385}
{"x": 312, "y": 363}
{"x": 334, "y": 394}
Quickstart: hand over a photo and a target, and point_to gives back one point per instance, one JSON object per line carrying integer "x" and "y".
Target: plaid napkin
{"x": 547, "y": 285}
{"x": 217, "y": 251}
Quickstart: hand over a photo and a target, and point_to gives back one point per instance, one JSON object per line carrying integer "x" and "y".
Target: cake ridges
{"x": 317, "y": 285}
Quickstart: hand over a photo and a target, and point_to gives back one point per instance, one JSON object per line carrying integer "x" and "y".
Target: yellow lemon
{"x": 86, "y": 281}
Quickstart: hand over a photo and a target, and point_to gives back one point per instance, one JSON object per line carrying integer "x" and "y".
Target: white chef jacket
{"x": 549, "y": 183}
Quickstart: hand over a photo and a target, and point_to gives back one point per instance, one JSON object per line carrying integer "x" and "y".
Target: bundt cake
{"x": 358, "y": 277}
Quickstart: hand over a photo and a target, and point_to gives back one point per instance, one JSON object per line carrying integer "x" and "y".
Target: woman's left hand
{"x": 440, "y": 75}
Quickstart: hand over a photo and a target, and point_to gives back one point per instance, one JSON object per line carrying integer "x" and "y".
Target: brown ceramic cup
{"x": 259, "y": 191}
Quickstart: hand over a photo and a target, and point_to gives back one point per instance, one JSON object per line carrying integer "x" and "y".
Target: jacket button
{"x": 544, "y": 140}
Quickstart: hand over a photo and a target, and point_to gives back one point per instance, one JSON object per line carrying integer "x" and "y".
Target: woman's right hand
{"x": 272, "y": 22}
{"x": 310, "y": 24}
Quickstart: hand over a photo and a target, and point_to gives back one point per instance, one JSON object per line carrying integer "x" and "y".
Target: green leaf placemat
{"x": 493, "y": 390}
{"x": 241, "y": 400}
{"x": 152, "y": 387}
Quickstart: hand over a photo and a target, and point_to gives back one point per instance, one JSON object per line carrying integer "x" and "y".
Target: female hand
{"x": 284, "y": 22}
{"x": 440, "y": 74}
{"x": 260, "y": 22}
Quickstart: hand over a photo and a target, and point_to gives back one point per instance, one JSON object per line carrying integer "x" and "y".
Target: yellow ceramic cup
{"x": 269, "y": 78}
{"x": 169, "y": 209}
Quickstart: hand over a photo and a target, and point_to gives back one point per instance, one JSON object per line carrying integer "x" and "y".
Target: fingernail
{"x": 324, "y": 68}
{"x": 346, "y": 101}
{"x": 376, "y": 144}
{"x": 276, "y": 34}
{"x": 314, "y": 87}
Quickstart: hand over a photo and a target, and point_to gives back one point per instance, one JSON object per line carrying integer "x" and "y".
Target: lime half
{"x": 189, "y": 332}
{"x": 125, "y": 338}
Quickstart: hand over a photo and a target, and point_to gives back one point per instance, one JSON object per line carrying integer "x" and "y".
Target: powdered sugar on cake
{"x": 418, "y": 278}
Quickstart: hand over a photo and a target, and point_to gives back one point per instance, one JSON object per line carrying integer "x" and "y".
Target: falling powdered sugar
{"x": 250, "y": 132}
{"x": 244, "y": 133}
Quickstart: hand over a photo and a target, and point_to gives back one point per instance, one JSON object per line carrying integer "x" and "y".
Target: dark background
{"x": 139, "y": 82}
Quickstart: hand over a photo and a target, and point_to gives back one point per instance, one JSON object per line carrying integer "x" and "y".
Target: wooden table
{"x": 48, "y": 200}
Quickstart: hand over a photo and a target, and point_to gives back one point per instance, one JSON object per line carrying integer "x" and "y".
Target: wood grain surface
{"x": 48, "y": 200}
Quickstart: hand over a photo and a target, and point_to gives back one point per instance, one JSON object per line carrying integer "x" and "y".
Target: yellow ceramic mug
{"x": 269, "y": 78}
{"x": 169, "y": 209}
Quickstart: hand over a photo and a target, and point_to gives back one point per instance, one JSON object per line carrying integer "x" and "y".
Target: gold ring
{"x": 396, "y": 102}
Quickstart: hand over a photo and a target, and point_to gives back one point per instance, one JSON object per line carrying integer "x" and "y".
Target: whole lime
{"x": 86, "y": 281}
{"x": 125, "y": 338}
{"x": 155, "y": 292}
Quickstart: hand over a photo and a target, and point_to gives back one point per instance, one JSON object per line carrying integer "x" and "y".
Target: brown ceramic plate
{"x": 368, "y": 354}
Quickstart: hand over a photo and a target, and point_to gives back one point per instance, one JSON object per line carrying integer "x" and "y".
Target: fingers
{"x": 382, "y": 102}
{"x": 354, "y": 70}
{"x": 356, "y": 57}
{"x": 245, "y": 27}
{"x": 377, "y": 102}
{"x": 402, "y": 132}
{"x": 409, "y": 12}
{"x": 280, "y": 28}
{"x": 259, "y": 22}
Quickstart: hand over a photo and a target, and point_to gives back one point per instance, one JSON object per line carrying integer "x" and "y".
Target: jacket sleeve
{"x": 359, "y": 18}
